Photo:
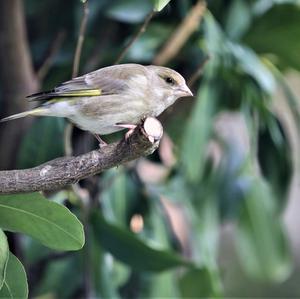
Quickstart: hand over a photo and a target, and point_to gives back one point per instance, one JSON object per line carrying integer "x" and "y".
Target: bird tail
{"x": 35, "y": 112}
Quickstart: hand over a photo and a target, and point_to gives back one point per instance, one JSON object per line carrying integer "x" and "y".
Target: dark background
{"x": 222, "y": 190}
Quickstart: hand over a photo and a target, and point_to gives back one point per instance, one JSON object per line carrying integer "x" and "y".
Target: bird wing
{"x": 106, "y": 81}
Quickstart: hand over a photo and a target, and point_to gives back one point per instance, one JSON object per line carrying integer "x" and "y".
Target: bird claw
{"x": 128, "y": 133}
{"x": 102, "y": 143}
{"x": 127, "y": 126}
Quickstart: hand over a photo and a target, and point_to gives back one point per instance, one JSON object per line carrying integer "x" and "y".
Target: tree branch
{"x": 199, "y": 70}
{"x": 63, "y": 171}
{"x": 50, "y": 55}
{"x": 16, "y": 76}
{"x": 141, "y": 30}
{"x": 80, "y": 38}
{"x": 181, "y": 34}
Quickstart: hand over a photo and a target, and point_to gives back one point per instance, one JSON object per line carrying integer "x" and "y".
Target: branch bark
{"x": 64, "y": 171}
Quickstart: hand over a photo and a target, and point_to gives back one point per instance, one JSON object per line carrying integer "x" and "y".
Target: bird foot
{"x": 127, "y": 126}
{"x": 102, "y": 143}
{"x": 128, "y": 133}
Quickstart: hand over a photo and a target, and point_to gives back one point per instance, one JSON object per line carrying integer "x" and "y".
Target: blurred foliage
{"x": 236, "y": 173}
{"x": 15, "y": 284}
{"x": 43, "y": 132}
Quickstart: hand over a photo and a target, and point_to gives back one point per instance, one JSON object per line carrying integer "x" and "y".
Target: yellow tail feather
{"x": 37, "y": 111}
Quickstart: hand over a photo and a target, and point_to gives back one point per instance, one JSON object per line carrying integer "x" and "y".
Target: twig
{"x": 136, "y": 36}
{"x": 80, "y": 39}
{"x": 106, "y": 38}
{"x": 182, "y": 33}
{"x": 191, "y": 81}
{"x": 76, "y": 62}
{"x": 85, "y": 204}
{"x": 68, "y": 139}
{"x": 63, "y": 171}
{"x": 51, "y": 53}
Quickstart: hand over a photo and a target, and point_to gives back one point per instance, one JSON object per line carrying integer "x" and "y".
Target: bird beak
{"x": 185, "y": 91}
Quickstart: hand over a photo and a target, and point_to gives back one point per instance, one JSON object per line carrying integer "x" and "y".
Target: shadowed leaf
{"x": 50, "y": 223}
{"x": 129, "y": 249}
{"x": 4, "y": 253}
{"x": 15, "y": 284}
{"x": 260, "y": 239}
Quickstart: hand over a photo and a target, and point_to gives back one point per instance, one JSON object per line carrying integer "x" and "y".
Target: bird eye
{"x": 170, "y": 80}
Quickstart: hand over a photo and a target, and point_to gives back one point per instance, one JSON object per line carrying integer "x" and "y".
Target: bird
{"x": 111, "y": 98}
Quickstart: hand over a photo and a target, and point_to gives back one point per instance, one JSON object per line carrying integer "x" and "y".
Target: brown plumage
{"x": 121, "y": 94}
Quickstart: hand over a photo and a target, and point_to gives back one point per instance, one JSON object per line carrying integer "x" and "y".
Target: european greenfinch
{"x": 111, "y": 98}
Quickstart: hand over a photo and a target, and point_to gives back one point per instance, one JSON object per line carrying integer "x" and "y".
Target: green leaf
{"x": 107, "y": 276}
{"x": 159, "y": 5}
{"x": 163, "y": 285}
{"x": 214, "y": 37}
{"x": 4, "y": 254}
{"x": 232, "y": 57}
{"x": 129, "y": 249}
{"x": 15, "y": 284}
{"x": 274, "y": 33}
{"x": 115, "y": 198}
{"x": 238, "y": 19}
{"x": 206, "y": 223}
{"x": 275, "y": 161}
{"x": 176, "y": 189}
{"x": 250, "y": 63}
{"x": 51, "y": 223}
{"x": 290, "y": 96}
{"x": 260, "y": 239}
{"x": 132, "y": 11}
{"x": 197, "y": 133}
{"x": 156, "y": 226}
{"x": 196, "y": 283}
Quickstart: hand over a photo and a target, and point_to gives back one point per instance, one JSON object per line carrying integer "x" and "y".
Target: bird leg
{"x": 127, "y": 126}
{"x": 102, "y": 143}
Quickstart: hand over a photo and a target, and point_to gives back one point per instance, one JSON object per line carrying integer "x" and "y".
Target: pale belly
{"x": 104, "y": 125}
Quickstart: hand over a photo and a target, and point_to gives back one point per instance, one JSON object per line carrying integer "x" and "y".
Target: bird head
{"x": 170, "y": 83}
